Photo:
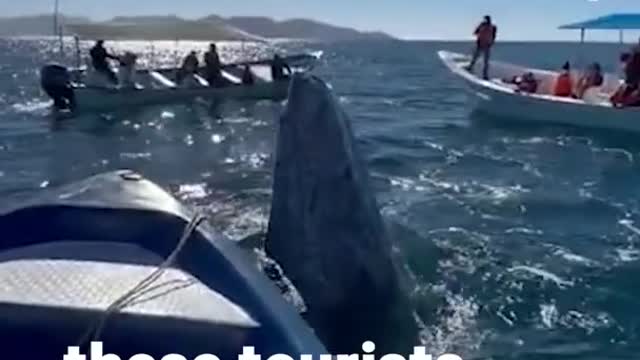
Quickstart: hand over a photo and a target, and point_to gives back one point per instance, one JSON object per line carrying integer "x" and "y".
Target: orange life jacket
{"x": 564, "y": 86}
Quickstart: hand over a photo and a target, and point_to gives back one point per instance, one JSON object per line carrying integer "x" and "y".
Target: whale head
{"x": 325, "y": 228}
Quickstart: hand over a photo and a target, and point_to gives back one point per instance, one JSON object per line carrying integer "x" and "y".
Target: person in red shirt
{"x": 485, "y": 34}
{"x": 564, "y": 83}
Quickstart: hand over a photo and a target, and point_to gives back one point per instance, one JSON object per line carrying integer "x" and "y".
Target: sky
{"x": 408, "y": 19}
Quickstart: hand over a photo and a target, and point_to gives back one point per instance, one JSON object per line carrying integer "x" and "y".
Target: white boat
{"x": 497, "y": 97}
{"x": 93, "y": 93}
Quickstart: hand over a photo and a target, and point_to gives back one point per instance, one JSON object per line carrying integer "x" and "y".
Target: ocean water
{"x": 523, "y": 239}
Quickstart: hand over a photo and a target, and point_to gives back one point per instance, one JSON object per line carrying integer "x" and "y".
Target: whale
{"x": 326, "y": 231}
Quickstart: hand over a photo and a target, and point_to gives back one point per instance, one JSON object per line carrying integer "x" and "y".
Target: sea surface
{"x": 524, "y": 235}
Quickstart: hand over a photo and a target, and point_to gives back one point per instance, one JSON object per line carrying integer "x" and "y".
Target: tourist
{"x": 278, "y": 65}
{"x": 127, "y": 70}
{"x": 485, "y": 34}
{"x": 213, "y": 66}
{"x": 524, "y": 83}
{"x": 627, "y": 92}
{"x": 247, "y": 76}
{"x": 592, "y": 78}
{"x": 99, "y": 56}
{"x": 189, "y": 66}
{"x": 564, "y": 83}
{"x": 528, "y": 83}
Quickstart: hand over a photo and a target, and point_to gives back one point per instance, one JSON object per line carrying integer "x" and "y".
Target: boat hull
{"x": 503, "y": 102}
{"x": 95, "y": 99}
{"x": 157, "y": 87}
{"x": 120, "y": 221}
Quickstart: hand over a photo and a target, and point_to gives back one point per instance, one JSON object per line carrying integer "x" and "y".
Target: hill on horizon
{"x": 171, "y": 27}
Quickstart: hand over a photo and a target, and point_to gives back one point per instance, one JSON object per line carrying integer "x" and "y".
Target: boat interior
{"x": 163, "y": 78}
{"x": 91, "y": 246}
{"x": 501, "y": 73}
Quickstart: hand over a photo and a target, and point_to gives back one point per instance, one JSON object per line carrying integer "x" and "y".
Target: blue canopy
{"x": 609, "y": 22}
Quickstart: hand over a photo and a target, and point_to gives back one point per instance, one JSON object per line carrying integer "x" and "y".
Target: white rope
{"x": 143, "y": 287}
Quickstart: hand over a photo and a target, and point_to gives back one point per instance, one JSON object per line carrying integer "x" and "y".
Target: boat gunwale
{"x": 449, "y": 59}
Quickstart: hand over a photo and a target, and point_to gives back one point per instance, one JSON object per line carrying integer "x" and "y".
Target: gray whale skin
{"x": 326, "y": 231}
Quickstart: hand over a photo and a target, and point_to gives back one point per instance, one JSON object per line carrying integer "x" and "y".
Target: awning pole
{"x": 621, "y": 37}
{"x": 55, "y": 17}
{"x": 581, "y": 53}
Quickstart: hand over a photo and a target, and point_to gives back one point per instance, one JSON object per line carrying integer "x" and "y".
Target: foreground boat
{"x": 70, "y": 256}
{"x": 497, "y": 98}
{"x": 157, "y": 86}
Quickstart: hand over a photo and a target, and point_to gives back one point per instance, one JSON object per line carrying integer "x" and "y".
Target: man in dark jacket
{"x": 99, "y": 56}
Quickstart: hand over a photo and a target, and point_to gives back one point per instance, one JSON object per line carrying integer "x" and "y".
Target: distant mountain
{"x": 301, "y": 29}
{"x": 34, "y": 25}
{"x": 170, "y": 27}
{"x": 154, "y": 28}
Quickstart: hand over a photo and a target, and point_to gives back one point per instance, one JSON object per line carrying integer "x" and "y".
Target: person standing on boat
{"x": 486, "y": 34}
{"x": 213, "y": 66}
{"x": 278, "y": 65}
{"x": 99, "y": 56}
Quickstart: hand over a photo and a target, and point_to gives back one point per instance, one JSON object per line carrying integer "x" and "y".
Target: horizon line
{"x": 395, "y": 37}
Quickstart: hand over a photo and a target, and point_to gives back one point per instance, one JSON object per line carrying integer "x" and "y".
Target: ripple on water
{"x": 545, "y": 275}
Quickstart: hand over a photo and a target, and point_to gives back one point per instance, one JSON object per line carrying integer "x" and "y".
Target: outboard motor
{"x": 55, "y": 80}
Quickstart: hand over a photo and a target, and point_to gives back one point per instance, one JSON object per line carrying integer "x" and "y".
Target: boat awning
{"x": 609, "y": 22}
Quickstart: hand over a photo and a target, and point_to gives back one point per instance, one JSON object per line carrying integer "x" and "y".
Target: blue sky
{"x": 423, "y": 19}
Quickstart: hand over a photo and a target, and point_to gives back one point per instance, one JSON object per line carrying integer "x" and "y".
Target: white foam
{"x": 543, "y": 274}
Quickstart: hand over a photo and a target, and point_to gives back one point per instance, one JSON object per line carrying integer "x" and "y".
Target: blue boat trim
{"x": 124, "y": 208}
{"x": 608, "y": 22}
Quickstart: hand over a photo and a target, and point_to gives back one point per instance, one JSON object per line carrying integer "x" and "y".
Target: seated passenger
{"x": 127, "y": 70}
{"x": 247, "y": 76}
{"x": 564, "y": 83}
{"x": 626, "y": 96}
{"x": 592, "y": 78}
{"x": 189, "y": 66}
{"x": 278, "y": 65}
{"x": 526, "y": 83}
{"x": 624, "y": 90}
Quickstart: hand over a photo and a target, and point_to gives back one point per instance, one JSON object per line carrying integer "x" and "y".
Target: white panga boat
{"x": 496, "y": 97}
{"x": 92, "y": 93}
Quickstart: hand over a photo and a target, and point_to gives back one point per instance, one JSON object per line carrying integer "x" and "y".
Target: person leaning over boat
{"x": 564, "y": 83}
{"x": 213, "y": 66}
{"x": 278, "y": 65}
{"x": 486, "y": 34}
{"x": 99, "y": 56}
{"x": 189, "y": 66}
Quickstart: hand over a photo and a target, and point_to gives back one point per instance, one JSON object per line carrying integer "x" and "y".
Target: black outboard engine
{"x": 56, "y": 82}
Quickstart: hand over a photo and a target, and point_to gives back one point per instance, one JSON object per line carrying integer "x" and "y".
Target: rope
{"x": 144, "y": 286}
